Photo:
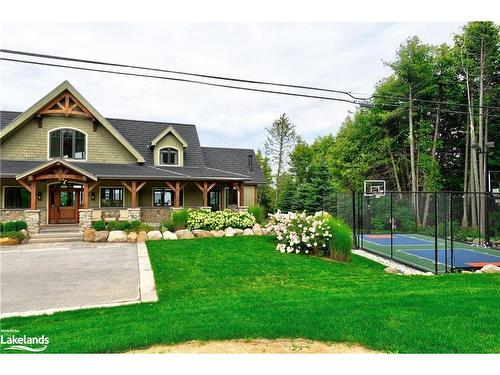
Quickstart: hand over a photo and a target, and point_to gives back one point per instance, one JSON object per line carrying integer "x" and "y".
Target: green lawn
{"x": 241, "y": 287}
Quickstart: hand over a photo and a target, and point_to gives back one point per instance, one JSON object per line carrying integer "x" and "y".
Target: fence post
{"x": 392, "y": 224}
{"x": 435, "y": 234}
{"x": 451, "y": 232}
{"x": 354, "y": 218}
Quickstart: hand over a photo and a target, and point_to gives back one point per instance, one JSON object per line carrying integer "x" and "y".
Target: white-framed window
{"x": 67, "y": 144}
{"x": 169, "y": 156}
{"x": 112, "y": 197}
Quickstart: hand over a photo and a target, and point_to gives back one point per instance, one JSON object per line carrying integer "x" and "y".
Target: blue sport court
{"x": 419, "y": 250}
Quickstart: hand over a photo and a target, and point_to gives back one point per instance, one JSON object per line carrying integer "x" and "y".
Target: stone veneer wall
{"x": 155, "y": 215}
{"x": 32, "y": 218}
{"x": 11, "y": 215}
{"x": 85, "y": 218}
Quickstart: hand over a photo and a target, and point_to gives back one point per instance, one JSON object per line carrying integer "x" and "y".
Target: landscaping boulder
{"x": 5, "y": 241}
{"x": 132, "y": 237}
{"x": 117, "y": 236}
{"x": 393, "y": 270}
{"x": 257, "y": 230}
{"x": 490, "y": 268}
{"x": 25, "y": 236}
{"x": 248, "y": 232}
{"x": 265, "y": 231}
{"x": 217, "y": 233}
{"x": 142, "y": 236}
{"x": 238, "y": 231}
{"x": 229, "y": 232}
{"x": 201, "y": 233}
{"x": 184, "y": 234}
{"x": 155, "y": 235}
{"x": 88, "y": 235}
{"x": 101, "y": 236}
{"x": 167, "y": 235}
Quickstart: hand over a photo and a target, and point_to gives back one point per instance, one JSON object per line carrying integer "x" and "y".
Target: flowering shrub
{"x": 299, "y": 233}
{"x": 216, "y": 220}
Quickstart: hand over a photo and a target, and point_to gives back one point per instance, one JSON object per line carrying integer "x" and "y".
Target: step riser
{"x": 55, "y": 239}
{"x": 56, "y": 235}
{"x": 70, "y": 230}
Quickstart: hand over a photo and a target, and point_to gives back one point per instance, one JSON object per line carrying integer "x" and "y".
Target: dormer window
{"x": 67, "y": 144}
{"x": 169, "y": 156}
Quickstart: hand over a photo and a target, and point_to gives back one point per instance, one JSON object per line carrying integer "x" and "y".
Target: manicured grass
{"x": 241, "y": 287}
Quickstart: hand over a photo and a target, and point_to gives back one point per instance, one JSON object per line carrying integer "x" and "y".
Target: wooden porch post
{"x": 205, "y": 194}
{"x": 242, "y": 193}
{"x": 134, "y": 194}
{"x": 177, "y": 192}
{"x": 85, "y": 195}
{"x": 33, "y": 193}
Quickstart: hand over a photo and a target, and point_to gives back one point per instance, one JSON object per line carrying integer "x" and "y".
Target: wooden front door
{"x": 213, "y": 199}
{"x": 63, "y": 205}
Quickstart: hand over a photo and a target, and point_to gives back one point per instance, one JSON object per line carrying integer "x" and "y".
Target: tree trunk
{"x": 396, "y": 177}
{"x": 412, "y": 157}
{"x": 465, "y": 208}
{"x": 433, "y": 155}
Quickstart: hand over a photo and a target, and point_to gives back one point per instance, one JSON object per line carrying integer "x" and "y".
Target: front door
{"x": 64, "y": 203}
{"x": 213, "y": 199}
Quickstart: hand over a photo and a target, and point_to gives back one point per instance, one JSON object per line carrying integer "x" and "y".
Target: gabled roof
{"x": 35, "y": 108}
{"x": 42, "y": 166}
{"x": 168, "y": 130}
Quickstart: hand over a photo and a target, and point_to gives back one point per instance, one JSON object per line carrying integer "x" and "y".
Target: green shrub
{"x": 145, "y": 227}
{"x": 99, "y": 225}
{"x": 13, "y": 234}
{"x": 1, "y": 227}
{"x": 180, "y": 218}
{"x": 135, "y": 225}
{"x": 9, "y": 226}
{"x": 167, "y": 225}
{"x": 21, "y": 224}
{"x": 216, "y": 220}
{"x": 113, "y": 225}
{"x": 341, "y": 240}
{"x": 258, "y": 213}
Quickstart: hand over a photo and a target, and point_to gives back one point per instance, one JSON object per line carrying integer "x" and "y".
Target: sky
{"x": 345, "y": 56}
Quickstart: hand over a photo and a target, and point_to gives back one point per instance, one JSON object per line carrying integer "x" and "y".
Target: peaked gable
{"x": 167, "y": 131}
{"x": 52, "y": 102}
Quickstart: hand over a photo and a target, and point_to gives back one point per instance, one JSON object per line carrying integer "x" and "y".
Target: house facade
{"x": 61, "y": 162}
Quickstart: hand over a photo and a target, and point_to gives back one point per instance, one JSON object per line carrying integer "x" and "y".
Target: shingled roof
{"x": 199, "y": 162}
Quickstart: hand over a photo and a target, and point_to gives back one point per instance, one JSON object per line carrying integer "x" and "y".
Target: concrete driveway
{"x": 39, "y": 278}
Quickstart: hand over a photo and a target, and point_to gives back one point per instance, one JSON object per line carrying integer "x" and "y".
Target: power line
{"x": 350, "y": 101}
{"x": 181, "y": 80}
{"x": 257, "y": 82}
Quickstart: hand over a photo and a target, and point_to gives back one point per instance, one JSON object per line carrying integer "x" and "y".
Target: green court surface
{"x": 420, "y": 251}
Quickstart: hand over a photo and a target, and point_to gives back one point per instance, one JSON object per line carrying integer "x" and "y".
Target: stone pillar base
{"x": 134, "y": 214}
{"x": 85, "y": 218}
{"x": 32, "y": 217}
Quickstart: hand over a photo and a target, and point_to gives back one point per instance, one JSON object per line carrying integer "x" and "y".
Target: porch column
{"x": 242, "y": 193}
{"x": 205, "y": 188}
{"x": 33, "y": 193}
{"x": 133, "y": 188}
{"x": 85, "y": 195}
{"x": 176, "y": 188}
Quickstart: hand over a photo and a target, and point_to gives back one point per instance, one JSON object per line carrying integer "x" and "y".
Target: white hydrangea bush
{"x": 299, "y": 233}
{"x": 217, "y": 220}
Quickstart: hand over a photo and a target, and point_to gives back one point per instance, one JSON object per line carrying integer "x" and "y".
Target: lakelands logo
{"x": 12, "y": 340}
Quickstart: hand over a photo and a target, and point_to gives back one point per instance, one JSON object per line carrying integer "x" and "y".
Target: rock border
{"x": 397, "y": 267}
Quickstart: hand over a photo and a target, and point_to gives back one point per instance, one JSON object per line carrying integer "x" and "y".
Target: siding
{"x": 169, "y": 141}
{"x": 30, "y": 142}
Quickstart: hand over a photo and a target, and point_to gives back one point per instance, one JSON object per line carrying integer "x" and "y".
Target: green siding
{"x": 30, "y": 142}
{"x": 169, "y": 141}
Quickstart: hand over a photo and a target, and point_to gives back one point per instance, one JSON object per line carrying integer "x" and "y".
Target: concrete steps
{"x": 57, "y": 233}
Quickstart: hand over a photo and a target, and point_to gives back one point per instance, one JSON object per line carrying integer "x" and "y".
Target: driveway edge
{"x": 146, "y": 278}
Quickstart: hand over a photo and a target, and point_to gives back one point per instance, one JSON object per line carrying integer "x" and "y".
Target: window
{"x": 250, "y": 163}
{"x": 231, "y": 197}
{"x": 17, "y": 197}
{"x": 169, "y": 156}
{"x": 111, "y": 197}
{"x": 163, "y": 197}
{"x": 67, "y": 144}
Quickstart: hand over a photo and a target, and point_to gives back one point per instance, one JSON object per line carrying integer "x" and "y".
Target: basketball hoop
{"x": 374, "y": 188}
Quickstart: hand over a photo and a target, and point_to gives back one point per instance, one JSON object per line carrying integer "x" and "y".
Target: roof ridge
{"x": 229, "y": 148}
{"x": 150, "y": 121}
